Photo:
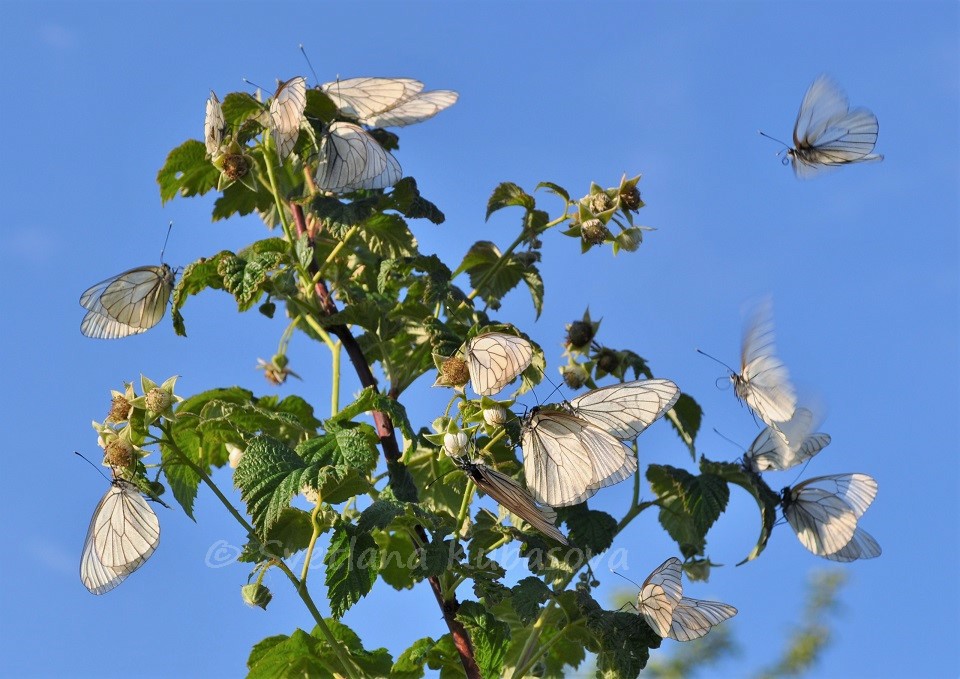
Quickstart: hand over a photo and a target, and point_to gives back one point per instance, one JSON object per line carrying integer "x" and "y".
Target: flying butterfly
{"x": 127, "y": 304}
{"x": 824, "y": 511}
{"x": 351, "y": 159}
{"x": 573, "y": 449}
{"x": 123, "y": 533}
{"x": 694, "y": 618}
{"x": 496, "y": 359}
{"x": 660, "y": 594}
{"x": 286, "y": 114}
{"x": 213, "y": 125}
{"x": 828, "y": 134}
{"x": 786, "y": 447}
{"x": 387, "y": 102}
{"x": 509, "y": 494}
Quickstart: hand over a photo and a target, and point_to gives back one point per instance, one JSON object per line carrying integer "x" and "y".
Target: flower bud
{"x": 158, "y": 400}
{"x": 579, "y": 334}
{"x": 608, "y": 361}
{"x": 455, "y": 443}
{"x": 256, "y": 594}
{"x": 630, "y": 198}
{"x": 594, "y": 232}
{"x": 495, "y": 416}
{"x": 575, "y": 376}
{"x": 236, "y": 454}
{"x": 119, "y": 409}
{"x": 118, "y": 452}
{"x": 235, "y": 165}
{"x": 600, "y": 202}
{"x": 454, "y": 372}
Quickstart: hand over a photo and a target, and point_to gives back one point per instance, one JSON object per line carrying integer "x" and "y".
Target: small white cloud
{"x": 58, "y": 37}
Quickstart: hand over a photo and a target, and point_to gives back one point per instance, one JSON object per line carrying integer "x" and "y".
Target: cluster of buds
{"x": 276, "y": 371}
{"x": 601, "y": 208}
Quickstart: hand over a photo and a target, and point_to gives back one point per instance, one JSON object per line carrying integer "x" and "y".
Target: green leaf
{"x": 685, "y": 416}
{"x": 531, "y": 276}
{"x": 196, "y": 277}
{"x": 409, "y": 664}
{"x": 555, "y": 189}
{"x": 527, "y": 596}
{"x": 589, "y": 529}
{"x": 290, "y": 534}
{"x": 624, "y": 642}
{"x": 507, "y": 194}
{"x": 405, "y": 198}
{"x": 488, "y": 635}
{"x": 379, "y": 515}
{"x": 237, "y": 199}
{"x": 187, "y": 171}
{"x": 435, "y": 558}
{"x": 292, "y": 657}
{"x": 767, "y": 500}
{"x": 183, "y": 480}
{"x": 689, "y": 504}
{"x": 494, "y": 275}
{"x": 388, "y": 236}
{"x": 398, "y": 559}
{"x": 352, "y": 562}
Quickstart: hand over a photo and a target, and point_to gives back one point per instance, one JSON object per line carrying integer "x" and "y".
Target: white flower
{"x": 236, "y": 453}
{"x": 455, "y": 443}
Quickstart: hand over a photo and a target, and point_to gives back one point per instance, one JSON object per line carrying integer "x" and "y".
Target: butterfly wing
{"x": 367, "y": 98}
{"x": 351, "y": 159}
{"x": 286, "y": 114}
{"x": 213, "y": 125}
{"x": 787, "y": 447}
{"x": 418, "y": 108}
{"x": 127, "y": 304}
{"x": 823, "y": 511}
{"x": 694, "y": 618}
{"x": 659, "y": 596}
{"x": 827, "y": 133}
{"x": 625, "y": 410}
{"x": 496, "y": 359}
{"x": 764, "y": 383}
{"x": 510, "y": 495}
{"x": 861, "y": 546}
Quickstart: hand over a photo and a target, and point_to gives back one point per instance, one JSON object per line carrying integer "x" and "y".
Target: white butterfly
{"x": 496, "y": 359}
{"x": 350, "y": 159}
{"x": 286, "y": 114}
{"x": 509, "y": 494}
{"x": 823, "y": 512}
{"x": 763, "y": 382}
{"x": 827, "y": 133}
{"x": 789, "y": 445}
{"x": 694, "y": 618}
{"x": 128, "y": 303}
{"x": 660, "y": 594}
{"x": 387, "y": 102}
{"x": 123, "y": 533}
{"x": 625, "y": 410}
{"x": 213, "y": 125}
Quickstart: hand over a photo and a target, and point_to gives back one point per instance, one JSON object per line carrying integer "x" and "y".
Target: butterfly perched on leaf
{"x": 123, "y": 533}
{"x": 127, "y": 304}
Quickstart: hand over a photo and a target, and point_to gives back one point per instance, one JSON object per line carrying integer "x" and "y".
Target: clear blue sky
{"x": 862, "y": 265}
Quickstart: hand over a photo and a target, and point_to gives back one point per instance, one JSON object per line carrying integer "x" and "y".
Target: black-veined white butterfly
{"x": 128, "y": 303}
{"x": 660, "y": 594}
{"x": 694, "y": 618}
{"x": 763, "y": 382}
{"x": 213, "y": 125}
{"x": 828, "y": 134}
{"x": 496, "y": 359}
{"x": 823, "y": 512}
{"x": 789, "y": 445}
{"x": 511, "y": 495}
{"x": 286, "y": 114}
{"x": 387, "y": 102}
{"x": 351, "y": 159}
{"x": 123, "y": 533}
{"x": 573, "y": 449}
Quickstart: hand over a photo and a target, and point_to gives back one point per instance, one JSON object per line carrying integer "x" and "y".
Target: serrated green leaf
{"x": 507, "y": 194}
{"x": 435, "y": 558}
{"x": 685, "y": 416}
{"x": 187, "y": 172}
{"x": 488, "y": 636}
{"x": 589, "y": 529}
{"x": 388, "y": 236}
{"x": 337, "y": 218}
{"x": 555, "y": 189}
{"x": 237, "y": 199}
{"x": 669, "y": 484}
{"x": 292, "y": 657}
{"x": 531, "y": 276}
{"x": 183, "y": 480}
{"x": 624, "y": 643}
{"x": 409, "y": 664}
{"x": 398, "y": 559}
{"x": 375, "y": 663}
{"x": 352, "y": 561}
{"x": 527, "y": 596}
{"x": 196, "y": 277}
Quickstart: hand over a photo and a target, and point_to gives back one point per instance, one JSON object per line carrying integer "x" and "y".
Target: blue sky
{"x": 862, "y": 265}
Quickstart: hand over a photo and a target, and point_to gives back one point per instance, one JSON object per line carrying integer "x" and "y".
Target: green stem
{"x": 310, "y": 546}
{"x": 333, "y": 253}
{"x": 464, "y": 508}
{"x": 542, "y": 651}
{"x": 335, "y": 379}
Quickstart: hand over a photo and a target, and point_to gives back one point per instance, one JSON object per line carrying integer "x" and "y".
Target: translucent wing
{"x": 418, "y": 108}
{"x": 861, "y": 546}
{"x": 286, "y": 114}
{"x": 660, "y": 594}
{"x": 510, "y": 495}
{"x": 823, "y": 511}
{"x": 123, "y": 533}
{"x": 625, "y": 410}
{"x": 566, "y": 459}
{"x": 827, "y": 133}
{"x": 787, "y": 447}
{"x": 366, "y": 98}
{"x": 351, "y": 159}
{"x": 213, "y": 125}
{"x": 693, "y": 618}
{"x": 496, "y": 359}
{"x": 763, "y": 383}
{"x": 127, "y": 304}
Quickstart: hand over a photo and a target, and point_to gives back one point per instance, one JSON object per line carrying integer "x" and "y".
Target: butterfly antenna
{"x": 714, "y": 358}
{"x": 304, "y": 53}
{"x": 727, "y": 438}
{"x": 259, "y": 89}
{"x": 625, "y": 578}
{"x": 164, "y": 248}
{"x": 764, "y": 134}
{"x": 100, "y": 471}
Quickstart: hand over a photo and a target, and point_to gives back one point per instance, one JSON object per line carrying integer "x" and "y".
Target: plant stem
{"x": 313, "y": 541}
{"x": 335, "y": 379}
